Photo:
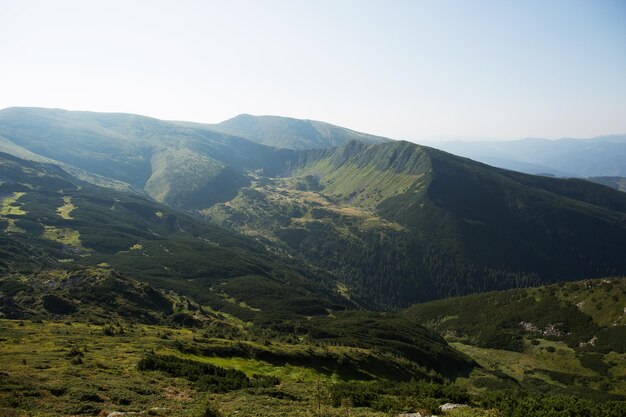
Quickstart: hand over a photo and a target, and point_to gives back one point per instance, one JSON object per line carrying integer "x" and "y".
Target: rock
{"x": 409, "y": 415}
{"x": 450, "y": 406}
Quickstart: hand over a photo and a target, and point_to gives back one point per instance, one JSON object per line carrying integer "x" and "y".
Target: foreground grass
{"x": 53, "y": 369}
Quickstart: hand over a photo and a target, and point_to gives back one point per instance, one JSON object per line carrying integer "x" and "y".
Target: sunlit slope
{"x": 398, "y": 222}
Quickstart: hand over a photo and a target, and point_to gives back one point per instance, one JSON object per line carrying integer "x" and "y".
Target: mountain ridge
{"x": 432, "y": 224}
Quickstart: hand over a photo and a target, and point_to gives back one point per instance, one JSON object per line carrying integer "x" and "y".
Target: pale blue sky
{"x": 404, "y": 69}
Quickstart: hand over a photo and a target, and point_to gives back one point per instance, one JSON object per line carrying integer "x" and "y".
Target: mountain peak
{"x": 291, "y": 133}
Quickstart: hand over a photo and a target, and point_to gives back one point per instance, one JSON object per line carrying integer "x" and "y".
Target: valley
{"x": 170, "y": 268}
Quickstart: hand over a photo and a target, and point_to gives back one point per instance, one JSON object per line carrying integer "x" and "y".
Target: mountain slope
{"x": 286, "y": 132}
{"x": 400, "y": 223}
{"x": 388, "y": 224}
{"x": 51, "y": 220}
{"x": 181, "y": 166}
{"x": 619, "y": 183}
{"x": 568, "y": 334}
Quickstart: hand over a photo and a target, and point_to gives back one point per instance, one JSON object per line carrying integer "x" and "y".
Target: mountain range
{"x": 600, "y": 156}
{"x": 149, "y": 263}
{"x": 386, "y": 224}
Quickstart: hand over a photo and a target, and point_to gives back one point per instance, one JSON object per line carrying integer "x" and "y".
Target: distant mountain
{"x": 181, "y": 166}
{"x": 598, "y": 156}
{"x": 286, "y": 132}
{"x": 619, "y": 183}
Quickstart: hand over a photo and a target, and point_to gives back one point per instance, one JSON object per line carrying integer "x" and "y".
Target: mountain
{"x": 97, "y": 281}
{"x": 117, "y": 296}
{"x": 594, "y": 157}
{"x": 286, "y": 132}
{"x": 399, "y": 223}
{"x": 385, "y": 225}
{"x": 619, "y": 183}
{"x": 177, "y": 165}
{"x": 51, "y": 220}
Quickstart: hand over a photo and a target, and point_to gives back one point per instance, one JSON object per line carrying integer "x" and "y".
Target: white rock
{"x": 450, "y": 406}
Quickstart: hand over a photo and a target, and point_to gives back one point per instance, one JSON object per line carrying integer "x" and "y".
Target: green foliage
{"x": 206, "y": 376}
{"x": 391, "y": 335}
{"x": 398, "y": 397}
{"x": 211, "y": 410}
{"x": 548, "y": 312}
{"x": 517, "y": 404}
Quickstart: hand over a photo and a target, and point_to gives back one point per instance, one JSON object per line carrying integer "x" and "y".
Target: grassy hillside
{"x": 286, "y": 132}
{"x": 398, "y": 223}
{"x": 565, "y": 335}
{"x": 49, "y": 220}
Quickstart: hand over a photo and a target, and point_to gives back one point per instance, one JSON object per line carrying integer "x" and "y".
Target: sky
{"x": 403, "y": 69}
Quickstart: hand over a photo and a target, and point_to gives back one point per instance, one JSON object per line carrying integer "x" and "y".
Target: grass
{"x": 66, "y": 209}
{"x": 8, "y": 205}
{"x": 12, "y": 227}
{"x": 363, "y": 187}
{"x": 40, "y": 375}
{"x": 64, "y": 235}
{"x": 541, "y": 362}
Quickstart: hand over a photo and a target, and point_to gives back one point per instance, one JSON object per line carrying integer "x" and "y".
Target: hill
{"x": 105, "y": 290}
{"x": 286, "y": 132}
{"x": 185, "y": 167}
{"x": 593, "y": 157}
{"x": 570, "y": 334}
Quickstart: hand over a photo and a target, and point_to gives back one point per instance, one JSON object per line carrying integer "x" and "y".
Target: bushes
{"x": 206, "y": 376}
{"x": 397, "y": 397}
{"x": 211, "y": 410}
{"x": 516, "y": 404}
{"x": 594, "y": 362}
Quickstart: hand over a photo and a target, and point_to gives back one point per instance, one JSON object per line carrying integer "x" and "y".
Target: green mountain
{"x": 571, "y": 334}
{"x": 185, "y": 167}
{"x": 387, "y": 224}
{"x": 89, "y": 274}
{"x": 116, "y": 296}
{"x": 398, "y": 223}
{"x": 286, "y": 132}
{"x": 51, "y": 220}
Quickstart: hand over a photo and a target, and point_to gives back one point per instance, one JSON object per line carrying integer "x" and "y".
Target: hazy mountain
{"x": 619, "y": 183}
{"x": 598, "y": 156}
{"x": 178, "y": 165}
{"x": 286, "y": 132}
